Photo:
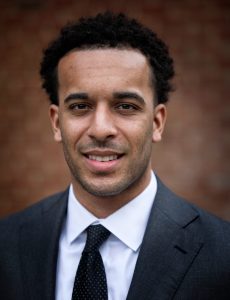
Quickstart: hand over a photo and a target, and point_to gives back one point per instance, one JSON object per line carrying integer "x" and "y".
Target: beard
{"x": 104, "y": 184}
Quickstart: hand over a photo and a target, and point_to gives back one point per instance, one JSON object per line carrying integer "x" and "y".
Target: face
{"x": 106, "y": 121}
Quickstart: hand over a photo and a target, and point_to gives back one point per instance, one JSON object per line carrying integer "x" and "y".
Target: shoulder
{"x": 10, "y": 225}
{"x": 216, "y": 232}
{"x": 191, "y": 217}
{"x": 212, "y": 226}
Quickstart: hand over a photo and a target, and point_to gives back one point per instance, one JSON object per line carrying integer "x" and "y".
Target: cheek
{"x": 72, "y": 130}
{"x": 139, "y": 135}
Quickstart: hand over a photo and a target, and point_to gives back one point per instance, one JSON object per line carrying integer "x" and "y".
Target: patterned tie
{"x": 90, "y": 281}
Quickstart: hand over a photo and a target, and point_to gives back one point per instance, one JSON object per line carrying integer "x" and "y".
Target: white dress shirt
{"x": 119, "y": 252}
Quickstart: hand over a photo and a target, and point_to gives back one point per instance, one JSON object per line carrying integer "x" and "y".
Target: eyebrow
{"x": 75, "y": 96}
{"x": 117, "y": 95}
{"x": 131, "y": 95}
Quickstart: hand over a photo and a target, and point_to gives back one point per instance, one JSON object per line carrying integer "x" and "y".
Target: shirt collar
{"x": 128, "y": 223}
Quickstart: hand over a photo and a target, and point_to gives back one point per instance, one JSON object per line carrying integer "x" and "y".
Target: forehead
{"x": 103, "y": 61}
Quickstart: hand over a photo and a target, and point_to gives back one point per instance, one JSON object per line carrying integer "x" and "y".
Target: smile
{"x": 102, "y": 162}
{"x": 103, "y": 158}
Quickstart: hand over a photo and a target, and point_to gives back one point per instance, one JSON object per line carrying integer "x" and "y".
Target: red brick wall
{"x": 193, "y": 158}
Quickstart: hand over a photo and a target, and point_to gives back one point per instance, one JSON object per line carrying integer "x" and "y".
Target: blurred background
{"x": 193, "y": 158}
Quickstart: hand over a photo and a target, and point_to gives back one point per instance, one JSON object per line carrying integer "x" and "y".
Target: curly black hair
{"x": 109, "y": 30}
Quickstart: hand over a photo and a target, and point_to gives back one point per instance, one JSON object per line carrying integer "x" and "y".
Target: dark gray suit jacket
{"x": 185, "y": 254}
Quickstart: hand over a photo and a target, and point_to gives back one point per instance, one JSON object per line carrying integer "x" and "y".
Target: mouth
{"x": 102, "y": 161}
{"x": 103, "y": 158}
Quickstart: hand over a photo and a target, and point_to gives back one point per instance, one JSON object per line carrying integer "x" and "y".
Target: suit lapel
{"x": 39, "y": 249}
{"x": 171, "y": 243}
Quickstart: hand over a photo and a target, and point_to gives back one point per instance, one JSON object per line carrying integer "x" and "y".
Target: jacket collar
{"x": 172, "y": 241}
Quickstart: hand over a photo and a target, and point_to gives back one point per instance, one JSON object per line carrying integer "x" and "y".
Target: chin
{"x": 103, "y": 189}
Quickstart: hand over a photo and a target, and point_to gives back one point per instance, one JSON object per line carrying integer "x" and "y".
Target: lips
{"x": 103, "y": 158}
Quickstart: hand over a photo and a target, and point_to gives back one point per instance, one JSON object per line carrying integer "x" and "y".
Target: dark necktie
{"x": 90, "y": 281}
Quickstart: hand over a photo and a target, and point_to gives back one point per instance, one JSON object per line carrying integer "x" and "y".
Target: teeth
{"x": 103, "y": 158}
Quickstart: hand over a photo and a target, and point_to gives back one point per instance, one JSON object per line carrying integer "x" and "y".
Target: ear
{"x": 54, "y": 119}
{"x": 160, "y": 114}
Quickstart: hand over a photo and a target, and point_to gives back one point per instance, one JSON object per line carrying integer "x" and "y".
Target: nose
{"x": 103, "y": 125}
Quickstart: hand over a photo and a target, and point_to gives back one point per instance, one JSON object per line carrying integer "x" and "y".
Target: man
{"x": 108, "y": 80}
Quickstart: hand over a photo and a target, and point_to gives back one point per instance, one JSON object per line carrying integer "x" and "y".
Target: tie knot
{"x": 96, "y": 235}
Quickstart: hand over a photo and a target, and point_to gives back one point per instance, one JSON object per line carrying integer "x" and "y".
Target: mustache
{"x": 108, "y": 145}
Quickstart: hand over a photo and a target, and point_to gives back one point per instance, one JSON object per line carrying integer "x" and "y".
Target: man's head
{"x": 109, "y": 31}
{"x": 108, "y": 108}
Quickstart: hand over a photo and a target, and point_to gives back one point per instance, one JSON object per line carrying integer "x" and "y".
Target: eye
{"x": 126, "y": 106}
{"x": 79, "y": 106}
